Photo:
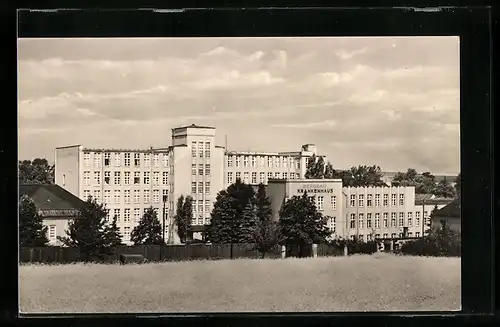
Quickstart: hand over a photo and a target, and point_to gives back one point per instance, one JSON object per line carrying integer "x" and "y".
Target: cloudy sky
{"x": 393, "y": 102}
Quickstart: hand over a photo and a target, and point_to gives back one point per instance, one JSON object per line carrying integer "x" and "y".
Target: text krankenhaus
{"x": 315, "y": 189}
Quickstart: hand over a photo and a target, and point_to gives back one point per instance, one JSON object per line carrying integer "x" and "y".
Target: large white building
{"x": 129, "y": 181}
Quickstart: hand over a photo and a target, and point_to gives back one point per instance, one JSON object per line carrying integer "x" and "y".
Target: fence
{"x": 55, "y": 254}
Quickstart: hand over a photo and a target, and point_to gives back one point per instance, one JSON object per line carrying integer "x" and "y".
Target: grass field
{"x": 356, "y": 283}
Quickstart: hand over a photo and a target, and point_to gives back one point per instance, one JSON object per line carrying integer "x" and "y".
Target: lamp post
{"x": 163, "y": 233}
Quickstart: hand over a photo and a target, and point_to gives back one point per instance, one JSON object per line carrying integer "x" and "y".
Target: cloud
{"x": 345, "y": 55}
{"x": 321, "y": 124}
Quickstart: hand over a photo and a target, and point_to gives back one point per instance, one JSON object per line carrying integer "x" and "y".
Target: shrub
{"x": 355, "y": 246}
{"x": 440, "y": 242}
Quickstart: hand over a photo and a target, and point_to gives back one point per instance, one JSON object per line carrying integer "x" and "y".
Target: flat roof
{"x": 193, "y": 126}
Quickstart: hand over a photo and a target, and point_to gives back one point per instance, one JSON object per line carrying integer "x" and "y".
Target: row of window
{"x": 127, "y": 178}
{"x": 203, "y": 170}
{"x": 370, "y": 202}
{"x": 369, "y": 237}
{"x": 127, "y": 159}
{"x": 127, "y": 196}
{"x": 198, "y": 187}
{"x": 261, "y": 161}
{"x": 201, "y": 149}
{"x": 231, "y": 177}
{"x": 376, "y": 223}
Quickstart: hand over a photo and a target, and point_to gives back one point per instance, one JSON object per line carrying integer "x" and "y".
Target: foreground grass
{"x": 356, "y": 283}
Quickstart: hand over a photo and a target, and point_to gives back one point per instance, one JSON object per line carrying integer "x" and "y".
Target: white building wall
{"x": 67, "y": 168}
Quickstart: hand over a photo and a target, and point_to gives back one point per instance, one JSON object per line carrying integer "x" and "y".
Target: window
{"x": 386, "y": 235}
{"x": 117, "y": 196}
{"x": 333, "y": 224}
{"x": 86, "y": 194}
{"x": 393, "y": 219}
{"x": 353, "y": 221}
{"x": 261, "y": 161}
{"x": 117, "y": 160}
{"x": 417, "y": 234}
{"x": 353, "y": 200}
{"x": 147, "y": 196}
{"x": 393, "y": 235}
{"x": 238, "y": 161}
{"x": 137, "y": 196}
{"x": 245, "y": 177}
{"x": 207, "y": 187}
{"x": 285, "y": 162}
{"x": 417, "y": 218}
{"x": 207, "y": 205}
{"x": 401, "y": 199}
{"x": 369, "y": 200}
{"x": 269, "y": 162}
{"x": 193, "y": 149}
{"x": 410, "y": 234}
{"x": 107, "y": 196}
{"x": 312, "y": 199}
{"x": 165, "y": 178}
{"x": 107, "y": 159}
{"x": 269, "y": 176}
{"x": 156, "y": 196}
{"x": 229, "y": 161}
{"x": 137, "y": 178}
{"x": 386, "y": 200}
{"x": 262, "y": 178}
{"x": 207, "y": 170}
{"x": 165, "y": 194}
{"x": 86, "y": 178}
{"x": 137, "y": 159}
{"x": 361, "y": 200}
{"x": 156, "y": 160}
{"x": 245, "y": 161}
{"x": 200, "y": 169}
{"x": 117, "y": 178}
{"x": 193, "y": 169}
{"x": 386, "y": 218}
{"x": 86, "y": 159}
{"x": 126, "y": 234}
{"x": 368, "y": 220}
{"x": 277, "y": 175}
{"x": 352, "y": 237}
{"x": 410, "y": 214}
{"x": 147, "y": 160}
{"x": 146, "y": 177}
{"x": 298, "y": 163}
{"x": 200, "y": 187}
{"x": 137, "y": 214}
{"x": 377, "y": 220}
{"x": 126, "y": 215}
{"x": 126, "y": 196}
{"x": 401, "y": 221}
{"x": 52, "y": 232}
{"x": 393, "y": 200}
{"x": 165, "y": 160}
{"x": 200, "y": 206}
{"x": 97, "y": 160}
{"x": 126, "y": 156}
{"x": 116, "y": 214}
{"x": 230, "y": 178}
{"x": 360, "y": 220}
{"x": 107, "y": 177}
{"x": 97, "y": 195}
{"x": 377, "y": 200}
{"x": 254, "y": 178}
{"x": 368, "y": 237}
{"x": 361, "y": 237}
{"x": 333, "y": 201}
{"x": 377, "y": 235}
{"x": 200, "y": 149}
{"x": 126, "y": 178}
{"x": 285, "y": 175}
{"x": 319, "y": 203}
{"x": 156, "y": 178}
{"x": 238, "y": 175}
{"x": 253, "y": 161}
{"x": 207, "y": 149}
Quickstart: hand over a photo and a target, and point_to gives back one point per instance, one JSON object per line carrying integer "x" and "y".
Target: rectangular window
{"x": 147, "y": 196}
{"x": 230, "y": 178}
{"x": 393, "y": 219}
{"x": 369, "y": 200}
{"x": 277, "y": 161}
{"x": 393, "y": 235}
{"x": 401, "y": 221}
{"x": 193, "y": 187}
{"x": 229, "y": 161}
{"x": 116, "y": 214}
{"x": 156, "y": 178}
{"x": 386, "y": 200}
{"x": 107, "y": 177}
{"x": 277, "y": 175}
{"x": 126, "y": 178}
{"x": 353, "y": 221}
{"x": 165, "y": 178}
{"x": 165, "y": 160}
{"x": 137, "y": 159}
{"x": 254, "y": 178}
{"x": 386, "y": 220}
{"x": 146, "y": 177}
{"x": 285, "y": 175}
{"x": 137, "y": 177}
{"x": 200, "y": 149}
{"x": 156, "y": 196}
{"x": 377, "y": 200}
{"x": 207, "y": 170}
{"x": 285, "y": 162}
{"x": 97, "y": 195}
{"x": 126, "y": 196}
{"x": 117, "y": 160}
{"x": 86, "y": 178}
{"x": 253, "y": 161}
{"x": 127, "y": 159}
{"x": 126, "y": 215}
{"x": 200, "y": 187}
{"x": 245, "y": 161}
{"x": 269, "y": 176}
{"x": 417, "y": 218}
{"x": 193, "y": 169}
{"x": 360, "y": 220}
{"x": 353, "y": 200}
{"x": 238, "y": 175}
{"x": 200, "y": 169}
{"x": 401, "y": 199}
{"x": 193, "y": 149}
{"x": 368, "y": 220}
{"x": 261, "y": 161}
{"x": 333, "y": 202}
{"x": 97, "y": 160}
{"x": 361, "y": 200}
{"x": 107, "y": 196}
{"x": 207, "y": 187}
{"x": 107, "y": 159}
{"x": 137, "y": 196}
{"x": 393, "y": 200}
{"x": 86, "y": 194}
{"x": 333, "y": 224}
{"x": 207, "y": 205}
{"x": 386, "y": 235}
{"x": 86, "y": 159}
{"x": 147, "y": 160}
{"x": 156, "y": 160}
{"x": 319, "y": 203}
{"x": 377, "y": 220}
{"x": 245, "y": 177}
{"x": 377, "y": 235}
{"x": 269, "y": 162}
{"x": 410, "y": 222}
{"x": 117, "y": 196}
{"x": 117, "y": 178}
{"x": 137, "y": 214}
{"x": 238, "y": 161}
{"x": 417, "y": 234}
{"x": 52, "y": 232}
{"x": 126, "y": 234}
{"x": 262, "y": 178}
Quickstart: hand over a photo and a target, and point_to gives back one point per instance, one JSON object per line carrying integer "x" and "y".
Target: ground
{"x": 355, "y": 283}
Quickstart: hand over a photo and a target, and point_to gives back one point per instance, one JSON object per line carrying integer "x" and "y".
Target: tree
{"x": 301, "y": 223}
{"x": 330, "y": 172}
{"x": 424, "y": 183}
{"x": 37, "y": 171}
{"x": 315, "y": 168}
{"x": 183, "y": 216}
{"x": 410, "y": 178}
{"x": 248, "y": 223}
{"x": 427, "y": 184}
{"x": 458, "y": 185}
{"x": 363, "y": 176}
{"x": 32, "y": 232}
{"x": 148, "y": 231}
{"x": 266, "y": 236}
{"x": 445, "y": 189}
{"x": 263, "y": 204}
{"x": 90, "y": 233}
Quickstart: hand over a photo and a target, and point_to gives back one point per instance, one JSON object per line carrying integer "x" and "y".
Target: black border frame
{"x": 472, "y": 24}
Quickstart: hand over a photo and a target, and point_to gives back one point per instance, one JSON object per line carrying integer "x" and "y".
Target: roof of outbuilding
{"x": 452, "y": 209}
{"x": 50, "y": 197}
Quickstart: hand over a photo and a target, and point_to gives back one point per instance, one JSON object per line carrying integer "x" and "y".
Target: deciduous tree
{"x": 149, "y": 229}
{"x": 32, "y": 232}
{"x": 445, "y": 189}
{"x": 37, "y": 171}
{"x": 183, "y": 216}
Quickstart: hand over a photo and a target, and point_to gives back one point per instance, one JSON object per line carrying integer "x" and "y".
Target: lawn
{"x": 355, "y": 283}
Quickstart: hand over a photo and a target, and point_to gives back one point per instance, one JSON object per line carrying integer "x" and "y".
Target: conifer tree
{"x": 32, "y": 232}
{"x": 148, "y": 231}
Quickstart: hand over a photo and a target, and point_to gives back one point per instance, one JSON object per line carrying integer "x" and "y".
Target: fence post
{"x": 31, "y": 255}
{"x": 391, "y": 246}
{"x": 315, "y": 250}
{"x": 346, "y": 253}
{"x": 283, "y": 252}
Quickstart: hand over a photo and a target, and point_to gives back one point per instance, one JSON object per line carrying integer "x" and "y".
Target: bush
{"x": 355, "y": 246}
{"x": 440, "y": 242}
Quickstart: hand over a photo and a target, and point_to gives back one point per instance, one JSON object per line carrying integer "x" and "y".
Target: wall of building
{"x": 67, "y": 168}
{"x": 60, "y": 224}
{"x": 454, "y": 222}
